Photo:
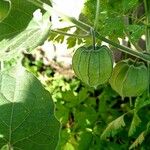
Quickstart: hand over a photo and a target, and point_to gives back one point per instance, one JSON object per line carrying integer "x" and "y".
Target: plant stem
{"x": 93, "y": 36}
{"x": 147, "y": 14}
{"x": 97, "y": 14}
{"x": 125, "y": 49}
{"x": 68, "y": 34}
{"x": 95, "y": 24}
{"x": 87, "y": 29}
{"x": 130, "y": 101}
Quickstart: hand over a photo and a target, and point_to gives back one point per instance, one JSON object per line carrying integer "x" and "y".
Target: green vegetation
{"x": 41, "y": 108}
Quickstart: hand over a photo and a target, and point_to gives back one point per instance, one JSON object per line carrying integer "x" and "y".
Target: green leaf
{"x": 64, "y": 138}
{"x": 85, "y": 116}
{"x": 68, "y": 96}
{"x": 141, "y": 102}
{"x": 83, "y": 95}
{"x": 62, "y": 113}
{"x": 129, "y": 4}
{"x": 68, "y": 146}
{"x": 59, "y": 37}
{"x": 84, "y": 140}
{"x": 27, "y": 118}
{"x": 21, "y": 33}
{"x": 136, "y": 31}
{"x": 34, "y": 35}
{"x": 5, "y": 6}
{"x": 138, "y": 141}
{"x": 134, "y": 124}
{"x": 18, "y": 19}
{"x": 20, "y": 15}
{"x": 113, "y": 127}
{"x": 110, "y": 29}
{"x": 71, "y": 42}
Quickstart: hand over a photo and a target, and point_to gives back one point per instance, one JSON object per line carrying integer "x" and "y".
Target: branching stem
{"x": 87, "y": 29}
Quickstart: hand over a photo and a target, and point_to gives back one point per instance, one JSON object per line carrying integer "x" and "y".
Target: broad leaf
{"x": 27, "y": 118}
{"x": 18, "y": 32}
{"x": 35, "y": 34}
{"x": 18, "y": 19}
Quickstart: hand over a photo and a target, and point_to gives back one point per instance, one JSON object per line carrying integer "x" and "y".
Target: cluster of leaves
{"x": 117, "y": 19}
{"x": 27, "y": 118}
{"x": 15, "y": 30}
{"x": 95, "y": 119}
{"x": 27, "y": 112}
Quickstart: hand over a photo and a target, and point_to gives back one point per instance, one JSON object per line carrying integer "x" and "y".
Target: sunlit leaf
{"x": 134, "y": 124}
{"x": 138, "y": 141}
{"x": 113, "y": 127}
{"x": 27, "y": 118}
{"x": 19, "y": 33}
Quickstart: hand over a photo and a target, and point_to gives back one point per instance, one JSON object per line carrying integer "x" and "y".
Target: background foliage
{"x": 94, "y": 119}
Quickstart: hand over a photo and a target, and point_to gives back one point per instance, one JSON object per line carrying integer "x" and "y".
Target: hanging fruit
{"x": 129, "y": 78}
{"x": 93, "y": 66}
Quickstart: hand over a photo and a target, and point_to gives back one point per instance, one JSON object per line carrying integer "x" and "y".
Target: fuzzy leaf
{"x": 113, "y": 127}
{"x": 134, "y": 124}
{"x": 138, "y": 141}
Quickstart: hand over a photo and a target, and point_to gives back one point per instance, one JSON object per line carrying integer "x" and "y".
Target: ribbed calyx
{"x": 129, "y": 78}
{"x": 93, "y": 67}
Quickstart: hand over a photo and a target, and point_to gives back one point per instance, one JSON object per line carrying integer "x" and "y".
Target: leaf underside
{"x": 23, "y": 32}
